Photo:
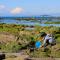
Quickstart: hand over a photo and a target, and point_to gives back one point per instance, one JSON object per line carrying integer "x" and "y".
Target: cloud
{"x": 16, "y": 10}
{"x": 2, "y": 6}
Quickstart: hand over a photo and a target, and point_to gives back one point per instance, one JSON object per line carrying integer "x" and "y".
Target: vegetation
{"x": 52, "y": 22}
{"x": 23, "y": 38}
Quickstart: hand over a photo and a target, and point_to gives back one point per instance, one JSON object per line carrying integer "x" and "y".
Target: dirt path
{"x": 16, "y": 56}
{"x": 6, "y": 37}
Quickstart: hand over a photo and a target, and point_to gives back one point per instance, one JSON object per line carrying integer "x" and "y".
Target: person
{"x": 47, "y": 40}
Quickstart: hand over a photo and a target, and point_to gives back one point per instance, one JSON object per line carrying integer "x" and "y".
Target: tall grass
{"x": 25, "y": 36}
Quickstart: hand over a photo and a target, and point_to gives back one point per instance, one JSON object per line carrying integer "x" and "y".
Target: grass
{"x": 52, "y": 22}
{"x": 10, "y": 47}
{"x": 23, "y": 37}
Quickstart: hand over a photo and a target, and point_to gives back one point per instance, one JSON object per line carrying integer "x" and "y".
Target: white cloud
{"x": 16, "y": 10}
{"x": 2, "y": 6}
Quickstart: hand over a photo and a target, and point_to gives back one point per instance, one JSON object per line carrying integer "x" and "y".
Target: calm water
{"x": 24, "y": 22}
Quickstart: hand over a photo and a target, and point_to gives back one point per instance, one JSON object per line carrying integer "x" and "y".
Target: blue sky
{"x": 28, "y": 7}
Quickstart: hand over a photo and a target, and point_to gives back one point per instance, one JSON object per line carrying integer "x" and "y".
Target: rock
{"x": 2, "y": 56}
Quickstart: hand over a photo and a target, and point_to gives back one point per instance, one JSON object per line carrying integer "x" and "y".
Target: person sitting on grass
{"x": 47, "y": 40}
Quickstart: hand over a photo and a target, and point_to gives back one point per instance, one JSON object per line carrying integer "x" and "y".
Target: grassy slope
{"x": 25, "y": 37}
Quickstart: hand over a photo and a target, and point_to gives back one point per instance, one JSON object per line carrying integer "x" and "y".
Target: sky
{"x": 28, "y": 7}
